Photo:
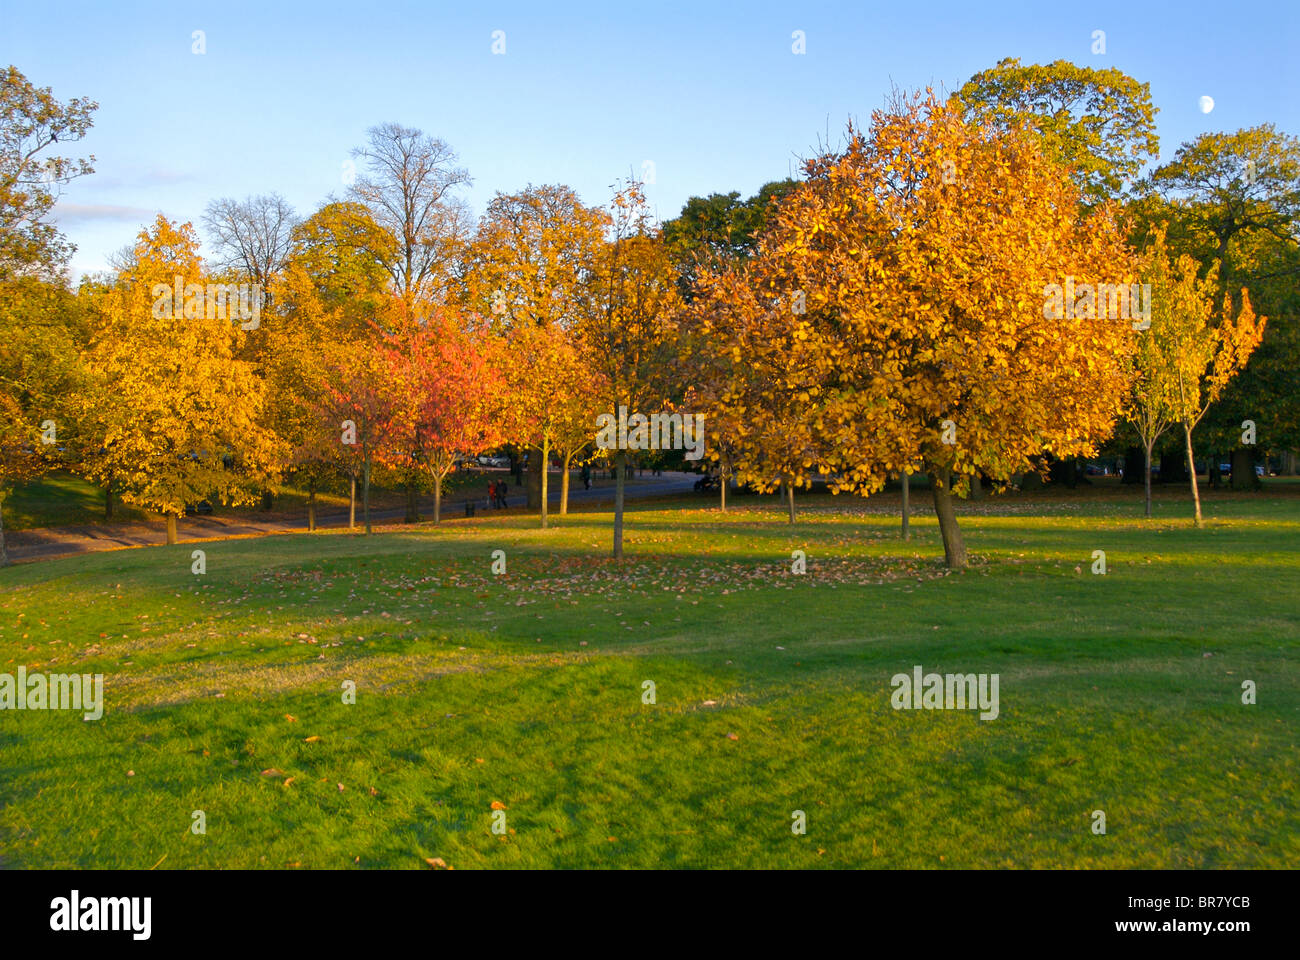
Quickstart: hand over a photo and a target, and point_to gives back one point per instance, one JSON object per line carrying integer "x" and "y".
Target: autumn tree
{"x": 333, "y": 285}
{"x": 446, "y": 391}
{"x": 629, "y": 320}
{"x": 177, "y": 416}
{"x": 923, "y": 254}
{"x": 42, "y": 331}
{"x": 529, "y": 269}
{"x": 757, "y": 381}
{"x": 1153, "y": 405}
{"x": 1206, "y": 351}
{"x": 356, "y": 408}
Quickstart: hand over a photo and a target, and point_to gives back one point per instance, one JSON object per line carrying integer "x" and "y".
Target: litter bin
{"x": 469, "y": 508}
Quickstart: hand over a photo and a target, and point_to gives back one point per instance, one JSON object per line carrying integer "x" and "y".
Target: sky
{"x": 711, "y": 95}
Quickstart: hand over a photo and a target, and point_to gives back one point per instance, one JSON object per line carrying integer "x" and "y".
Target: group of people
{"x": 497, "y": 490}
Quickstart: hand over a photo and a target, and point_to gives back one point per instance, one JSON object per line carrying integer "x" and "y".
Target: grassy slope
{"x": 474, "y": 688}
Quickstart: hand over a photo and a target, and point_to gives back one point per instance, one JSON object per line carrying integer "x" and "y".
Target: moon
{"x": 1207, "y": 104}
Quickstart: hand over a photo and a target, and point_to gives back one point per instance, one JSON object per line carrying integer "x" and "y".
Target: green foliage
{"x": 1100, "y": 123}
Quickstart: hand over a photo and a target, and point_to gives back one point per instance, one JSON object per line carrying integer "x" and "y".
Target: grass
{"x": 1119, "y": 692}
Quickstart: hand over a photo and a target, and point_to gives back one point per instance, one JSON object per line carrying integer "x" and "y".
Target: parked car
{"x": 202, "y": 507}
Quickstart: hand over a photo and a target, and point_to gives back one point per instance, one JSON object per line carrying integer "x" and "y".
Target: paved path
{"x": 47, "y": 542}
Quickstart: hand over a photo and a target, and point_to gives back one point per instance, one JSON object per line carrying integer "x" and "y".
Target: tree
{"x": 178, "y": 418}
{"x": 31, "y": 121}
{"x": 758, "y": 379}
{"x": 445, "y": 392}
{"x": 1235, "y": 198}
{"x": 629, "y": 319}
{"x": 718, "y": 229}
{"x": 333, "y": 286}
{"x": 1153, "y": 405}
{"x": 356, "y": 408}
{"x": 42, "y": 331}
{"x": 527, "y": 270}
{"x": 1206, "y": 354}
{"x": 252, "y": 237}
{"x": 1099, "y": 123}
{"x": 408, "y": 187}
{"x": 924, "y": 253}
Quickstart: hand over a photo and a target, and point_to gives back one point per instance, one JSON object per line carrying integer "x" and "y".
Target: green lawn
{"x": 1119, "y": 692}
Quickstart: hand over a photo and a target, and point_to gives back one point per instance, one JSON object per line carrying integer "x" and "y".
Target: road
{"x": 48, "y": 542}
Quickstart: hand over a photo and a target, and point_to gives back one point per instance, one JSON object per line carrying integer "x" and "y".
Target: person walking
{"x": 586, "y": 476}
{"x": 501, "y": 495}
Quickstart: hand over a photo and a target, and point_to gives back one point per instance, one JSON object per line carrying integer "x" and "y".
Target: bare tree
{"x": 407, "y": 187}
{"x": 252, "y": 235}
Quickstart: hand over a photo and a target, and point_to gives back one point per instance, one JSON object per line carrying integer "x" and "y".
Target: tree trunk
{"x": 723, "y": 473}
{"x": 564, "y": 486}
{"x": 352, "y": 505}
{"x": 1191, "y": 468}
{"x": 789, "y": 496}
{"x": 171, "y": 528}
{"x": 907, "y": 495}
{"x": 437, "y": 499}
{"x": 976, "y": 487}
{"x": 365, "y": 494}
{"x": 1133, "y": 464}
{"x": 536, "y": 468}
{"x": 1243, "y": 471}
{"x": 4, "y": 553}
{"x": 311, "y": 509}
{"x": 545, "y": 478}
{"x": 620, "y": 472}
{"x": 1147, "y": 475}
{"x": 412, "y": 501}
{"x": 954, "y": 549}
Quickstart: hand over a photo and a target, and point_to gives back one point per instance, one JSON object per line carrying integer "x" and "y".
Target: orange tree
{"x": 920, "y": 257}
{"x": 445, "y": 391}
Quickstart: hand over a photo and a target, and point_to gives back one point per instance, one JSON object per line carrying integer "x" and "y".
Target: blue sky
{"x": 710, "y": 93}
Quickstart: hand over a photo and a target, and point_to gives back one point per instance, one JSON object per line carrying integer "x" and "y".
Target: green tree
{"x": 1099, "y": 123}
{"x": 31, "y": 121}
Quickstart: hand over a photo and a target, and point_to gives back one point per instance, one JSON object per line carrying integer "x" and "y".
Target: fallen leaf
{"x": 498, "y": 805}
{"x": 291, "y": 719}
{"x": 733, "y": 736}
{"x": 310, "y": 739}
{"x": 437, "y": 863}
{"x": 272, "y": 772}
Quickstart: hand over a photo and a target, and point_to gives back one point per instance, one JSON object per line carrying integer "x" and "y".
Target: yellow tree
{"x": 527, "y": 269}
{"x": 1204, "y": 351}
{"x": 177, "y": 416}
{"x": 1153, "y": 405}
{"x": 926, "y": 259}
{"x": 631, "y": 308}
